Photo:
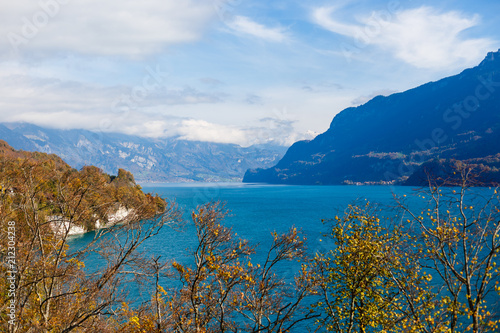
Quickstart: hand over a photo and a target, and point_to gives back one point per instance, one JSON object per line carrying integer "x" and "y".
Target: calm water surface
{"x": 255, "y": 212}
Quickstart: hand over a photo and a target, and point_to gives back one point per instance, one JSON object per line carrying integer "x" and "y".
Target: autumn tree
{"x": 431, "y": 270}
{"x": 428, "y": 270}
{"x": 458, "y": 243}
{"x": 54, "y": 292}
{"x": 222, "y": 290}
{"x": 358, "y": 286}
{"x": 277, "y": 303}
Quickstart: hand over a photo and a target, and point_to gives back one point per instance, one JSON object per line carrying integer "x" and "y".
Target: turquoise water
{"x": 254, "y": 212}
{"x": 258, "y": 210}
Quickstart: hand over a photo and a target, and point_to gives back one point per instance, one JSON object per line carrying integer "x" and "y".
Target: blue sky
{"x": 231, "y": 71}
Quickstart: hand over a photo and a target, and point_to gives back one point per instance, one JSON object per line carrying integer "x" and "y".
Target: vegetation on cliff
{"x": 52, "y": 188}
{"x": 44, "y": 287}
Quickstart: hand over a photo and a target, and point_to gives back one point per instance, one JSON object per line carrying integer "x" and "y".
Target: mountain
{"x": 150, "y": 160}
{"x": 387, "y": 139}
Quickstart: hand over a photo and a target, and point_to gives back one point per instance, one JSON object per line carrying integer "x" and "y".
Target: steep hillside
{"x": 60, "y": 193}
{"x": 388, "y": 138}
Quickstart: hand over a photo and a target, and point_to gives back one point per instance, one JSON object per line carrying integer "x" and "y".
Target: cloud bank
{"x": 126, "y": 28}
{"x": 422, "y": 37}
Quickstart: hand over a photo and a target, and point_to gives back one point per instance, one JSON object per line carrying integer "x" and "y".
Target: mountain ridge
{"x": 388, "y": 138}
{"x": 150, "y": 160}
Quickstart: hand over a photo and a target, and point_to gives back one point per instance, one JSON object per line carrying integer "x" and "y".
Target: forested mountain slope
{"x": 387, "y": 139}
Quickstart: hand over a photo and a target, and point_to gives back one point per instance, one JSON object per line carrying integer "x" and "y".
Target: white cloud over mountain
{"x": 423, "y": 37}
{"x": 224, "y": 70}
{"x": 164, "y": 112}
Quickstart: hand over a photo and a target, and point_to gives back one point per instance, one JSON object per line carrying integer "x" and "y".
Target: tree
{"x": 223, "y": 291}
{"x": 357, "y": 278}
{"x": 209, "y": 293}
{"x": 52, "y": 291}
{"x": 458, "y": 243}
{"x": 428, "y": 270}
{"x": 433, "y": 271}
{"x": 273, "y": 303}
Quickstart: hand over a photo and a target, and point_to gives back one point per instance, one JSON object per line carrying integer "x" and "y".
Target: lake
{"x": 257, "y": 210}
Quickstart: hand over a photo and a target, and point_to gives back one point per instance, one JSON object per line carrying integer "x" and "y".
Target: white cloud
{"x": 127, "y": 28}
{"x": 322, "y": 17}
{"x": 422, "y": 37}
{"x": 201, "y": 130}
{"x": 69, "y": 104}
{"x": 267, "y": 130}
{"x": 180, "y": 113}
{"x": 244, "y": 25}
{"x": 25, "y": 93}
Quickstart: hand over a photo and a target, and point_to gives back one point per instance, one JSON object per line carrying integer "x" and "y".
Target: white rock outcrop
{"x": 121, "y": 215}
{"x": 62, "y": 226}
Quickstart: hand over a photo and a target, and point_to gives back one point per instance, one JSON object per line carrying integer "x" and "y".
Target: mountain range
{"x": 391, "y": 139}
{"x": 149, "y": 159}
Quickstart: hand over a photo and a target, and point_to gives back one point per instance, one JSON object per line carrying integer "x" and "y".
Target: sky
{"x": 230, "y": 71}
